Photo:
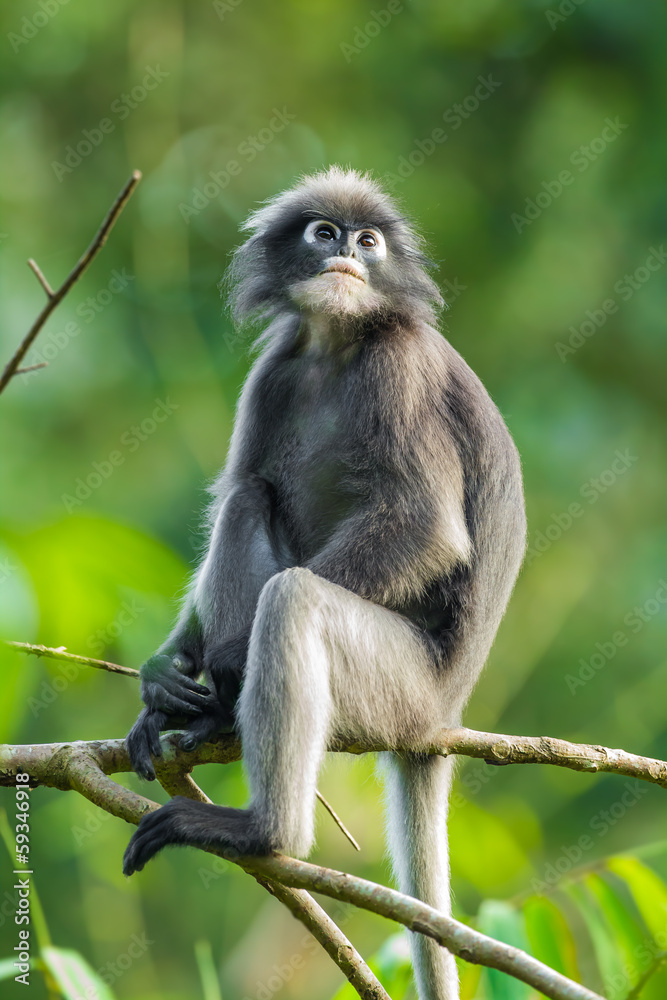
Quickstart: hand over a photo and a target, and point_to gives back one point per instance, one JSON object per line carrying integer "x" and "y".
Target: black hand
{"x": 165, "y": 688}
{"x": 143, "y": 741}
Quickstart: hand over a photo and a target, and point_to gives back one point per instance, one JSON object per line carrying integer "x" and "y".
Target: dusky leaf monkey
{"x": 365, "y": 535}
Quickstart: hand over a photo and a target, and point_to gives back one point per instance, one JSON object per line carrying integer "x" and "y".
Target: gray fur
{"x": 366, "y": 533}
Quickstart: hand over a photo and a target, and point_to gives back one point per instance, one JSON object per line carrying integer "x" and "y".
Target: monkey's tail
{"x": 417, "y": 794}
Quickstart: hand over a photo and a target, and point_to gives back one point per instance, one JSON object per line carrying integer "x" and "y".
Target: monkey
{"x": 365, "y": 536}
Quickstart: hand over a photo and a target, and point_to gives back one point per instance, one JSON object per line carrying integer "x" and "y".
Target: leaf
{"x": 207, "y": 971}
{"x": 609, "y": 961}
{"x": 81, "y": 568}
{"x": 74, "y": 976}
{"x": 476, "y": 833}
{"x": 551, "y": 939}
{"x": 626, "y": 930}
{"x": 501, "y": 921}
{"x": 8, "y": 970}
{"x": 648, "y": 891}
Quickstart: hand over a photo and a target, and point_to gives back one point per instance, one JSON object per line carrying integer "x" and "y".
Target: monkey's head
{"x": 334, "y": 244}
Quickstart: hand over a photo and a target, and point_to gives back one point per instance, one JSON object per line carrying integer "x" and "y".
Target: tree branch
{"x": 330, "y": 936}
{"x": 84, "y": 767}
{"x": 495, "y": 748}
{"x": 62, "y": 654}
{"x": 54, "y": 298}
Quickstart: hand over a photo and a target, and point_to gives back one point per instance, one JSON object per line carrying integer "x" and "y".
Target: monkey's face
{"x": 339, "y": 268}
{"x": 334, "y": 244}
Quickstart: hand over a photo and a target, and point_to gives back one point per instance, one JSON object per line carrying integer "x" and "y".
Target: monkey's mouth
{"x": 344, "y": 268}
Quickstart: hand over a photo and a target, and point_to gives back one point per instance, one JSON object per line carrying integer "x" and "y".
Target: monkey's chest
{"x": 321, "y": 478}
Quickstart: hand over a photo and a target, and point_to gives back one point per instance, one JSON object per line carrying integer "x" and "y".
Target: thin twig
{"x": 54, "y": 298}
{"x": 337, "y": 819}
{"x": 62, "y": 654}
{"x": 40, "y": 277}
{"x": 31, "y": 368}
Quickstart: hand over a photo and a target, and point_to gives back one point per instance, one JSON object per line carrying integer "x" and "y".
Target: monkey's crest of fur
{"x": 264, "y": 266}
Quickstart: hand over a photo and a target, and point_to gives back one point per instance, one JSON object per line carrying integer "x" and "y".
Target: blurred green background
{"x": 528, "y": 143}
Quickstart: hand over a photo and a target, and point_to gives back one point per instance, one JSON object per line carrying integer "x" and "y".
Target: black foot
{"x": 205, "y": 727}
{"x": 197, "y": 824}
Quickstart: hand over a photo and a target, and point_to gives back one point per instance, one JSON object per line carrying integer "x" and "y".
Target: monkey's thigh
{"x": 384, "y": 682}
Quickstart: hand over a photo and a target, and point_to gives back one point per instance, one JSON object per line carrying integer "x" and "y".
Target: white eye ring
{"x": 310, "y": 234}
{"x": 380, "y": 248}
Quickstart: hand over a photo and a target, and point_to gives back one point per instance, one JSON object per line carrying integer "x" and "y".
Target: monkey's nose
{"x": 346, "y": 252}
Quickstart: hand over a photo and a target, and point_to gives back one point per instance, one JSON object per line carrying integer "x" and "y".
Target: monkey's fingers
{"x": 190, "y": 685}
{"x": 143, "y": 741}
{"x": 170, "y": 695}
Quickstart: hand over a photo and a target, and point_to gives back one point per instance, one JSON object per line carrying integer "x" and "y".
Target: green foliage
{"x": 73, "y": 975}
{"x": 94, "y": 552}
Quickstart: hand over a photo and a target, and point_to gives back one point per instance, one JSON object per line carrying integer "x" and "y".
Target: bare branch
{"x": 458, "y": 938}
{"x": 493, "y": 747}
{"x": 337, "y": 820}
{"x": 40, "y": 277}
{"x": 181, "y": 784}
{"x": 54, "y": 298}
{"x": 62, "y": 654}
{"x": 84, "y": 767}
{"x": 501, "y": 749}
{"x": 31, "y": 368}
{"x": 330, "y": 936}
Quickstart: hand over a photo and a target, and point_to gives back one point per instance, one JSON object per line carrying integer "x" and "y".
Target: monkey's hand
{"x": 166, "y": 691}
{"x": 143, "y": 741}
{"x": 225, "y": 665}
{"x": 166, "y": 686}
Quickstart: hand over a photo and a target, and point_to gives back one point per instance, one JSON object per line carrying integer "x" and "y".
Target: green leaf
{"x": 648, "y": 891}
{"x": 550, "y": 938}
{"x": 207, "y": 971}
{"x": 82, "y": 568}
{"x": 609, "y": 961}
{"x": 476, "y": 833}
{"x": 625, "y": 928}
{"x": 74, "y": 976}
{"x": 7, "y": 968}
{"x": 501, "y": 921}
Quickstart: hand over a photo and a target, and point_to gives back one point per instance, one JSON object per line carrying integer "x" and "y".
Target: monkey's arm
{"x": 242, "y": 556}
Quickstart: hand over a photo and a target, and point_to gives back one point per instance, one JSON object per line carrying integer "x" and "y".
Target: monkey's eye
{"x": 321, "y": 231}
{"x": 367, "y": 241}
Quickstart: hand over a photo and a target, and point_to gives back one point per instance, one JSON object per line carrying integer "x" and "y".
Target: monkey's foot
{"x": 203, "y": 728}
{"x": 195, "y": 824}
